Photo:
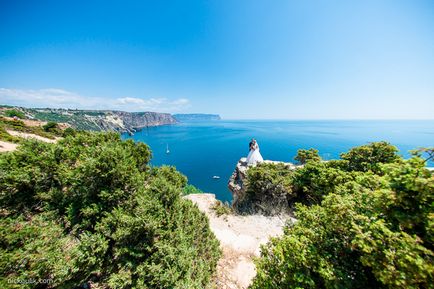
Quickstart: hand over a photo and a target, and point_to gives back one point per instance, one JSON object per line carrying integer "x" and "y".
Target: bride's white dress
{"x": 254, "y": 156}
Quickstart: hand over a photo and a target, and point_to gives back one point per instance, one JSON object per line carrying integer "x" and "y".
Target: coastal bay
{"x": 201, "y": 150}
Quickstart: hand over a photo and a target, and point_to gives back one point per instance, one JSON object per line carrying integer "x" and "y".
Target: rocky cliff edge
{"x": 238, "y": 183}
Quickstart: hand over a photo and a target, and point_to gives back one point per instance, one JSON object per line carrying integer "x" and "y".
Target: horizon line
{"x": 234, "y": 119}
{"x": 328, "y": 119}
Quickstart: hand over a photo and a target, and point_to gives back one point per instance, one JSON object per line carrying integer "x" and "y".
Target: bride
{"x": 254, "y": 155}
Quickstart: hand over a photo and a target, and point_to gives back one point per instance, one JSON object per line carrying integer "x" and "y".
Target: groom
{"x": 251, "y": 143}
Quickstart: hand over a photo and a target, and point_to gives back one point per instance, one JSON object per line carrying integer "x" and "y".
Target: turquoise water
{"x": 201, "y": 150}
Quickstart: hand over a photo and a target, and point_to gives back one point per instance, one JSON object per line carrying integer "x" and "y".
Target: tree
{"x": 303, "y": 156}
{"x": 15, "y": 113}
{"x": 69, "y": 131}
{"x": 370, "y": 156}
{"x": 51, "y": 126}
{"x": 316, "y": 180}
{"x": 428, "y": 153}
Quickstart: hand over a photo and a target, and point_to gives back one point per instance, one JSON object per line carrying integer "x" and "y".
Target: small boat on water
{"x": 167, "y": 149}
{"x": 215, "y": 177}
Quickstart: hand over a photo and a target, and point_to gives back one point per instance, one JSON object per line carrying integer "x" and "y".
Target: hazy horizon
{"x": 242, "y": 60}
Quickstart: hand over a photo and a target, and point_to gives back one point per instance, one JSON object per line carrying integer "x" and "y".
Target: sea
{"x": 202, "y": 150}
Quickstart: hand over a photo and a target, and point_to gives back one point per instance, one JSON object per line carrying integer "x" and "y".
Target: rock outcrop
{"x": 238, "y": 186}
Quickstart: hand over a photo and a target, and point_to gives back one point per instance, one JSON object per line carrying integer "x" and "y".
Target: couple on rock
{"x": 254, "y": 155}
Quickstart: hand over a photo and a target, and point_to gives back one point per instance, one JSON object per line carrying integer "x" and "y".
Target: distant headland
{"x": 196, "y": 117}
{"x": 107, "y": 120}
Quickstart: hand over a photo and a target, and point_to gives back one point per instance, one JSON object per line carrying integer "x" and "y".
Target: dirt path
{"x": 34, "y": 122}
{"x": 30, "y": 135}
{"x": 7, "y": 146}
{"x": 240, "y": 239}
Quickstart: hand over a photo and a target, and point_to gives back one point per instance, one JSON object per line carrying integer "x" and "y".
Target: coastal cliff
{"x": 270, "y": 200}
{"x": 131, "y": 121}
{"x": 99, "y": 120}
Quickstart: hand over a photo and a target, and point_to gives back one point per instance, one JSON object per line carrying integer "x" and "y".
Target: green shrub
{"x": 369, "y": 229}
{"x": 396, "y": 259}
{"x": 269, "y": 190}
{"x": 35, "y": 248}
{"x": 316, "y": 180}
{"x": 190, "y": 189}
{"x": 50, "y": 126}
{"x": 23, "y": 174}
{"x": 14, "y": 113}
{"x": 371, "y": 156}
{"x": 426, "y": 153}
{"x": 316, "y": 251}
{"x": 411, "y": 204}
{"x": 311, "y": 155}
{"x": 69, "y": 131}
{"x": 114, "y": 220}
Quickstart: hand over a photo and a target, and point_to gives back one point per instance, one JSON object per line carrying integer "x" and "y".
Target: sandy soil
{"x": 240, "y": 239}
{"x": 7, "y": 146}
{"x": 29, "y": 135}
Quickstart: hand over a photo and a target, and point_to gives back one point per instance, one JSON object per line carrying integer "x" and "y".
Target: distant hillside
{"x": 98, "y": 120}
{"x": 196, "y": 117}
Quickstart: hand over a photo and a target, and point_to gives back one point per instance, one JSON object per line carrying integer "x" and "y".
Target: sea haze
{"x": 201, "y": 150}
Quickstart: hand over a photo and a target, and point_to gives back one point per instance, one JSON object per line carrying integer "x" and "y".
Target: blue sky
{"x": 241, "y": 59}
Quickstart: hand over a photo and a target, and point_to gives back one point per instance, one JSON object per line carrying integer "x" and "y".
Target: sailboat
{"x": 167, "y": 149}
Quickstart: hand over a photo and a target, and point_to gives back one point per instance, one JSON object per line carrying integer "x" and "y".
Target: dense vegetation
{"x": 90, "y": 210}
{"x": 77, "y": 119}
{"x": 14, "y": 113}
{"x": 18, "y": 125}
{"x": 51, "y": 126}
{"x": 364, "y": 221}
